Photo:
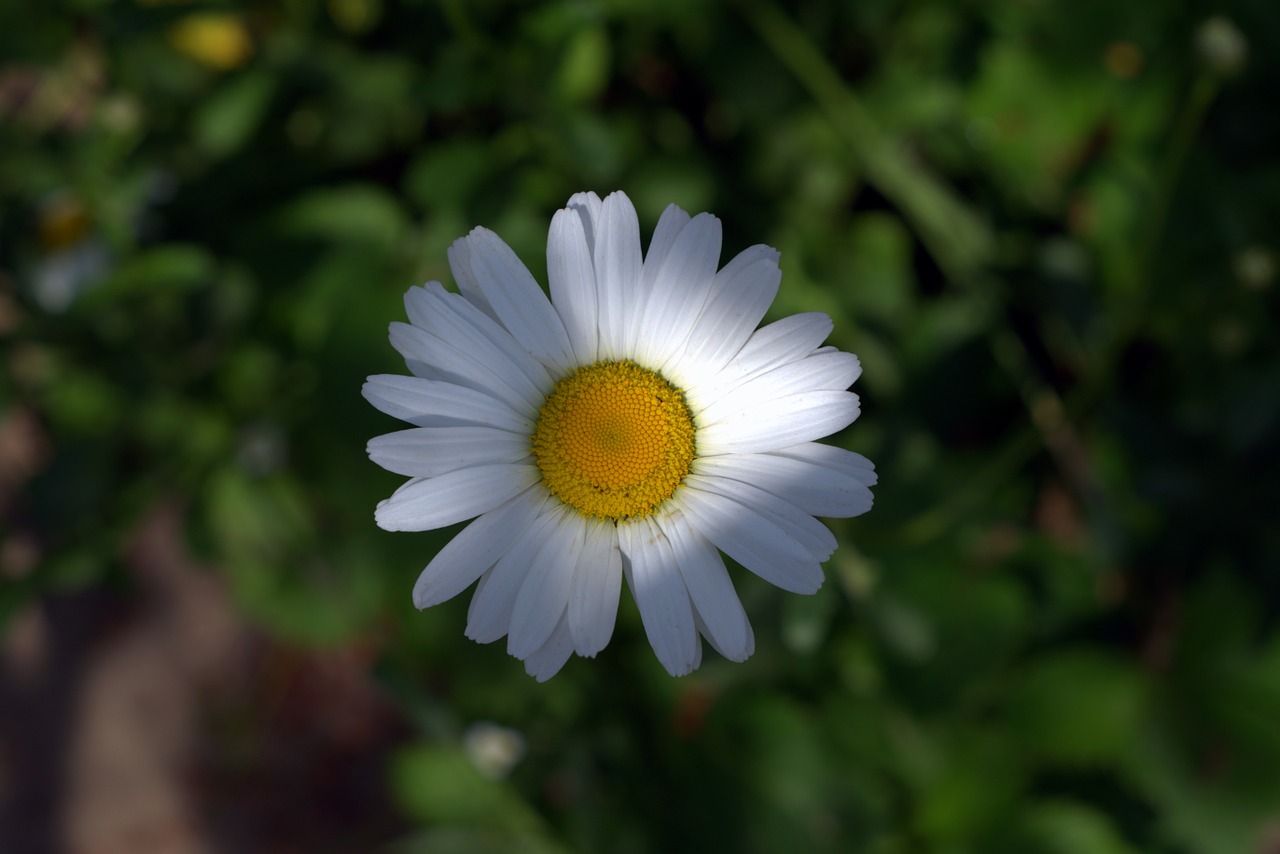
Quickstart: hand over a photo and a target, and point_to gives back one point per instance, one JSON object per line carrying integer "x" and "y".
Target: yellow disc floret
{"x": 614, "y": 440}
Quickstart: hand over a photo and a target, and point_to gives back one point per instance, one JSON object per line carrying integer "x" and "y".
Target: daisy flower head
{"x": 635, "y": 425}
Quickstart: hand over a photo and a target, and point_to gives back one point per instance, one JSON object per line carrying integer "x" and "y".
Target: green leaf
{"x": 229, "y": 118}
{"x": 1067, "y": 827}
{"x": 879, "y": 253}
{"x": 167, "y": 269}
{"x": 357, "y": 213}
{"x": 584, "y": 70}
{"x": 438, "y": 785}
{"x": 448, "y": 176}
{"x": 1079, "y": 707}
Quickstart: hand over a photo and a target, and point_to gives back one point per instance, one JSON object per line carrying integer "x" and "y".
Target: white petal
{"x": 815, "y": 537}
{"x": 750, "y": 645}
{"x": 722, "y": 618}
{"x": 489, "y": 616}
{"x": 670, "y": 225}
{"x": 673, "y": 221}
{"x": 468, "y": 282}
{"x": 572, "y": 277}
{"x": 597, "y": 581}
{"x": 479, "y": 545}
{"x": 660, "y": 595}
{"x": 780, "y": 342}
{"x": 483, "y": 368}
{"x": 740, "y": 295}
{"x": 423, "y": 504}
{"x": 679, "y": 290}
{"x": 814, "y": 487}
{"x": 544, "y": 594}
{"x": 431, "y": 451}
{"x": 588, "y": 208}
{"x": 617, "y": 262}
{"x": 455, "y": 319}
{"x": 516, "y": 299}
{"x": 822, "y": 371}
{"x": 752, "y": 540}
{"x": 854, "y": 465}
{"x": 780, "y": 423}
{"x": 429, "y": 403}
{"x": 548, "y": 660}
{"x": 423, "y": 354}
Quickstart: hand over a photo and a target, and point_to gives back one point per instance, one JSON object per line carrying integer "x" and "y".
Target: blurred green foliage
{"x": 1049, "y": 230}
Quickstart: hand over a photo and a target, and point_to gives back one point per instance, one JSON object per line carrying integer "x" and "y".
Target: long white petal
{"x": 814, "y": 487}
{"x": 780, "y": 342}
{"x": 492, "y": 605}
{"x": 552, "y": 655}
{"x": 423, "y": 504}
{"x": 822, "y": 371}
{"x": 670, "y": 224}
{"x": 572, "y": 277}
{"x": 617, "y": 262}
{"x": 752, "y": 540}
{"x": 597, "y": 582}
{"x": 466, "y": 557}
{"x": 815, "y": 537}
{"x": 544, "y": 595}
{"x": 854, "y": 465}
{"x": 458, "y": 320}
{"x": 431, "y": 451}
{"x": 436, "y": 358}
{"x": 660, "y": 595}
{"x": 430, "y": 403}
{"x": 750, "y": 645}
{"x": 679, "y": 291}
{"x": 740, "y": 295}
{"x": 468, "y": 282}
{"x": 588, "y": 208}
{"x": 516, "y": 299}
{"x": 780, "y": 423}
{"x": 722, "y": 618}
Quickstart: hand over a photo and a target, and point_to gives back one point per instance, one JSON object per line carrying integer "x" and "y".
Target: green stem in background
{"x": 959, "y": 241}
{"x": 1185, "y": 130}
{"x": 455, "y": 12}
{"x": 957, "y": 238}
{"x": 1131, "y": 314}
{"x": 935, "y": 521}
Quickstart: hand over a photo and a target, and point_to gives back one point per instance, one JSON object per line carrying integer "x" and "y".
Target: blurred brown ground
{"x": 160, "y": 721}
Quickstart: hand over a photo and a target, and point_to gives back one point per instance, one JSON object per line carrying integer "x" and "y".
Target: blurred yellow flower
{"x": 355, "y": 16}
{"x": 216, "y": 40}
{"x": 63, "y": 222}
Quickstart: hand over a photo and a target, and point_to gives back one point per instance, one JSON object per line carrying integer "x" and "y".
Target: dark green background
{"x": 1049, "y": 229}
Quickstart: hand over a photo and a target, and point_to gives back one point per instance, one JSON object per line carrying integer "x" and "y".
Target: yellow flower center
{"x": 614, "y": 440}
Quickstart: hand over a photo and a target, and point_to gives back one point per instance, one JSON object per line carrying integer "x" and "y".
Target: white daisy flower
{"x": 635, "y": 425}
